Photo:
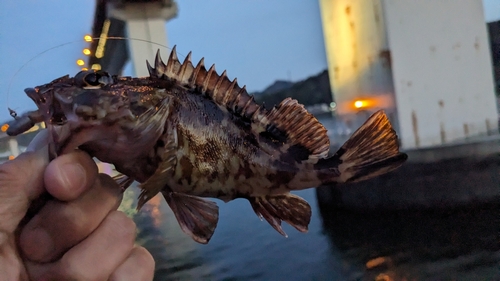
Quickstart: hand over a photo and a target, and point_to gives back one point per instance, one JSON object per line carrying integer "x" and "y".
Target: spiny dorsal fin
{"x": 219, "y": 88}
{"x": 289, "y": 119}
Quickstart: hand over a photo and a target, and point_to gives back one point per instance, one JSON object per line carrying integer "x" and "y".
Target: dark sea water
{"x": 459, "y": 244}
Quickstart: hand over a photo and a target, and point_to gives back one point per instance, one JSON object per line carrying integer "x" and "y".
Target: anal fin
{"x": 197, "y": 217}
{"x": 285, "y": 207}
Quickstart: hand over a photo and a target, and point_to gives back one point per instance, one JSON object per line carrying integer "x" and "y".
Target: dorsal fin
{"x": 219, "y": 88}
{"x": 298, "y": 131}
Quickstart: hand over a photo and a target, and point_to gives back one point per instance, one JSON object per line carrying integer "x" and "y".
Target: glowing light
{"x": 84, "y": 69}
{"x": 376, "y": 262}
{"x": 96, "y": 66}
{"x": 11, "y": 157}
{"x": 87, "y": 38}
{"x": 80, "y": 62}
{"x": 360, "y": 103}
{"x": 86, "y": 52}
{"x": 383, "y": 277}
{"x": 33, "y": 129}
{"x": 5, "y": 127}
{"x": 333, "y": 106}
{"x": 99, "y": 53}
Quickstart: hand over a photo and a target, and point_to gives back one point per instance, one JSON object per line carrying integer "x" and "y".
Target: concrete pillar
{"x": 14, "y": 147}
{"x": 426, "y": 62}
{"x": 442, "y": 71}
{"x": 358, "y": 56}
{"x": 145, "y": 21}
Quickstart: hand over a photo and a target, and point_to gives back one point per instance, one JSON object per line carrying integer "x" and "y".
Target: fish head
{"x": 94, "y": 108}
{"x": 87, "y": 98}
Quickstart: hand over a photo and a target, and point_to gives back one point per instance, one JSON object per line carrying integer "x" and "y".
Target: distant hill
{"x": 313, "y": 90}
{"x": 278, "y": 85}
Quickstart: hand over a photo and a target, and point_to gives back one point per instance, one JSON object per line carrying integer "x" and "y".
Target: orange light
{"x": 376, "y": 262}
{"x": 87, "y": 38}
{"x": 86, "y": 52}
{"x": 84, "y": 69}
{"x": 11, "y": 157}
{"x": 80, "y": 62}
{"x": 5, "y": 127}
{"x": 360, "y": 103}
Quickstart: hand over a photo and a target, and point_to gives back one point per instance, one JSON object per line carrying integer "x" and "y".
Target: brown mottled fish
{"x": 189, "y": 133}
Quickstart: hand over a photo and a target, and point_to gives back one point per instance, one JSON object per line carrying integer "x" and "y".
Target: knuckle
{"x": 139, "y": 265}
{"x": 111, "y": 188}
{"x": 69, "y": 269}
{"x": 122, "y": 225}
{"x": 144, "y": 258}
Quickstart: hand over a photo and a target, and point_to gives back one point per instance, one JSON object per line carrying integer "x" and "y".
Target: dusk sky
{"x": 256, "y": 41}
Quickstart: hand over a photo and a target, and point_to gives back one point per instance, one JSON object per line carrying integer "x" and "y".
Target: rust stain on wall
{"x": 336, "y": 72}
{"x": 385, "y": 55}
{"x": 414, "y": 123}
{"x": 442, "y": 132}
{"x": 489, "y": 128}
{"x": 466, "y": 130}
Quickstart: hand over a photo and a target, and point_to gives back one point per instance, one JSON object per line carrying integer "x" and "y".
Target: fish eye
{"x": 92, "y": 79}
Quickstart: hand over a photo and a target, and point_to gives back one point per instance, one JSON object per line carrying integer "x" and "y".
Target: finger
{"x": 69, "y": 175}
{"x": 138, "y": 266}
{"x": 61, "y": 225}
{"x": 96, "y": 257}
{"x": 21, "y": 180}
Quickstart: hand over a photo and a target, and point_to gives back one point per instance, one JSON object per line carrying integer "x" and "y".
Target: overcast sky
{"x": 256, "y": 41}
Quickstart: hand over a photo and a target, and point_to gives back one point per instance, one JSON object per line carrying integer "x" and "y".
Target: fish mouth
{"x": 32, "y": 93}
{"x": 48, "y": 107}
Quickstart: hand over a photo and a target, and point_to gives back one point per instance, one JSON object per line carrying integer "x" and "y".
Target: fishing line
{"x": 69, "y": 43}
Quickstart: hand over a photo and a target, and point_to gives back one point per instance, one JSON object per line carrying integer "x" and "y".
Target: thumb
{"x": 21, "y": 181}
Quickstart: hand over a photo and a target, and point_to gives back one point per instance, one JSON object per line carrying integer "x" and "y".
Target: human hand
{"x": 76, "y": 235}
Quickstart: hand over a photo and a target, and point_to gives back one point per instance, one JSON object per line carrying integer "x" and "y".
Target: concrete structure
{"x": 145, "y": 21}
{"x": 427, "y": 63}
{"x": 143, "y": 25}
{"x": 358, "y": 58}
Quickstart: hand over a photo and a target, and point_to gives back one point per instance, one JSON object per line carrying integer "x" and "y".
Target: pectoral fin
{"x": 164, "y": 171}
{"x": 123, "y": 181}
{"x": 197, "y": 217}
{"x": 287, "y": 207}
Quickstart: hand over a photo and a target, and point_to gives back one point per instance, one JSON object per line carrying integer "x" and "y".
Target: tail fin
{"x": 371, "y": 151}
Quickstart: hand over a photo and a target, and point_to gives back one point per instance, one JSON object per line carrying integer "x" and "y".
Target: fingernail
{"x": 38, "y": 245}
{"x": 73, "y": 174}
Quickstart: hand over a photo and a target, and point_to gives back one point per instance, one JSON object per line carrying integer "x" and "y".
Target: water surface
{"x": 460, "y": 244}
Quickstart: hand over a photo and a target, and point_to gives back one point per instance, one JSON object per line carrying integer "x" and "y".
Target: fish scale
{"x": 189, "y": 133}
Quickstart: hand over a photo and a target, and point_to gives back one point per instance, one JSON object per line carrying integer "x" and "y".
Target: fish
{"x": 190, "y": 133}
